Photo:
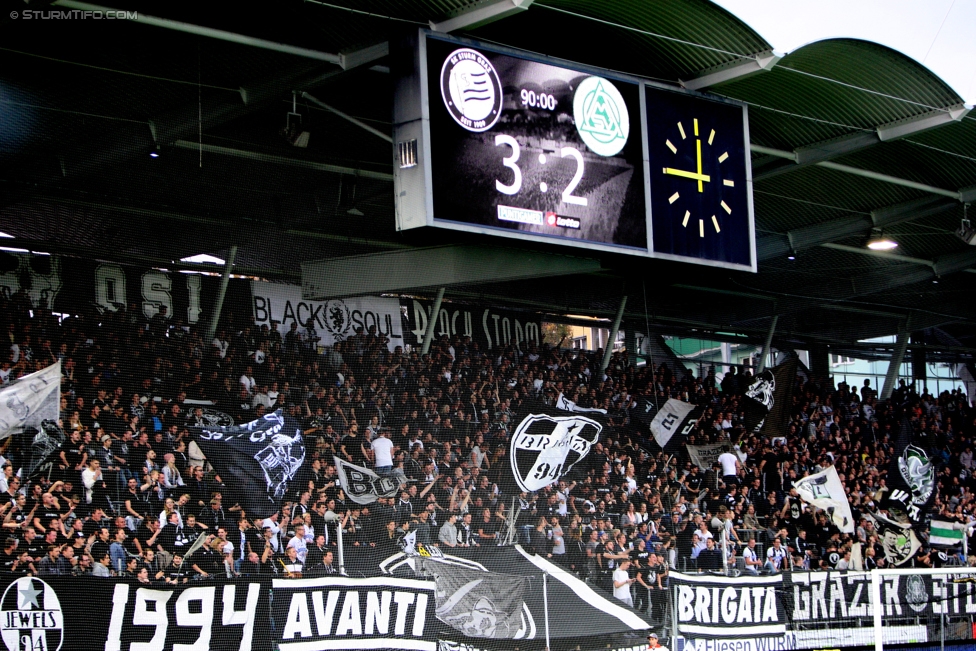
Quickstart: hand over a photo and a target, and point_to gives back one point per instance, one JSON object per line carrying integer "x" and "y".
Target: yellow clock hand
{"x": 700, "y": 179}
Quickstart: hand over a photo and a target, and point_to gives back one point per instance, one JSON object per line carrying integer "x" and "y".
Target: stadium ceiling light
{"x": 203, "y": 258}
{"x": 882, "y": 244}
{"x": 293, "y": 131}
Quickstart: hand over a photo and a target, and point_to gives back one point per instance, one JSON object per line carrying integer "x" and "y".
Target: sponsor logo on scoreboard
{"x": 471, "y": 90}
{"x": 559, "y": 221}
{"x": 520, "y": 215}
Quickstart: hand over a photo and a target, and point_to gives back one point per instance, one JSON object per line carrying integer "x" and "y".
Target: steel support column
{"x": 919, "y": 365}
{"x": 767, "y": 345}
{"x": 612, "y": 336}
{"x": 630, "y": 343}
{"x": 897, "y": 355}
{"x": 221, "y": 293}
{"x": 435, "y": 312}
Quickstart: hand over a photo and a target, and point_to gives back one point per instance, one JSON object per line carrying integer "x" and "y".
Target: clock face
{"x": 700, "y": 206}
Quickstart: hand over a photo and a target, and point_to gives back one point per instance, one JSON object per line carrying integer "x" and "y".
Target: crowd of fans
{"x": 129, "y": 496}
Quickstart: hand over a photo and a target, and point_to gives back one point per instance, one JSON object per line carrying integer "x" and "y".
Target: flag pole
{"x": 545, "y": 604}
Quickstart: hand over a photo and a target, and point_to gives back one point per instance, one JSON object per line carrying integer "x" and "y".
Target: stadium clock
{"x": 699, "y": 180}
{"x": 496, "y": 141}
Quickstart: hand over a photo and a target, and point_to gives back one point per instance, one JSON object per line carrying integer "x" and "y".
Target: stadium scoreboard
{"x": 496, "y": 141}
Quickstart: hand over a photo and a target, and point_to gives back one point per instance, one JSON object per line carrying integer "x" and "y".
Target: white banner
{"x": 669, "y": 420}
{"x": 821, "y": 638}
{"x": 825, "y": 491}
{"x": 31, "y": 399}
{"x": 705, "y": 456}
{"x": 334, "y": 320}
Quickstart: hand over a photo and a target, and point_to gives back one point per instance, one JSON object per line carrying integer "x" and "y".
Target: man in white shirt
{"x": 248, "y": 381}
{"x": 751, "y": 557}
{"x": 730, "y": 468}
{"x": 621, "y": 583}
{"x": 382, "y": 448}
{"x": 298, "y": 542}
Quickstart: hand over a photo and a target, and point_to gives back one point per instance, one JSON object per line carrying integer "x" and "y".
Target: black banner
{"x": 911, "y": 477}
{"x": 87, "y": 613}
{"x": 487, "y": 326}
{"x": 267, "y": 453}
{"x": 779, "y": 414}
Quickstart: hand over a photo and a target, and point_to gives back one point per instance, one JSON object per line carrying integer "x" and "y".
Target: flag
{"x": 779, "y": 413}
{"x": 675, "y": 417}
{"x": 199, "y": 542}
{"x": 759, "y": 400}
{"x": 256, "y": 460}
{"x": 897, "y": 539}
{"x": 911, "y": 476}
{"x": 29, "y": 401}
{"x": 477, "y": 603}
{"x": 947, "y": 534}
{"x": 44, "y": 449}
{"x": 645, "y": 410}
{"x": 363, "y": 486}
{"x": 824, "y": 491}
{"x": 547, "y": 442}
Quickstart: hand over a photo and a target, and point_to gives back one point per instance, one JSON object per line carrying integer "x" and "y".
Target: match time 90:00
{"x": 538, "y": 100}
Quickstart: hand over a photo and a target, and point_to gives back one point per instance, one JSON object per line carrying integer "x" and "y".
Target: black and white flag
{"x": 477, "y": 603}
{"x": 27, "y": 402}
{"x": 266, "y": 452}
{"x": 362, "y": 485}
{"x": 44, "y": 450}
{"x": 911, "y": 477}
{"x": 675, "y": 419}
{"x": 897, "y": 539}
{"x": 760, "y": 398}
{"x": 547, "y": 442}
{"x": 825, "y": 491}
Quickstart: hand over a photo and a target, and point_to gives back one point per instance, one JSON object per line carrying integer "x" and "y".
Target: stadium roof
{"x": 850, "y": 140}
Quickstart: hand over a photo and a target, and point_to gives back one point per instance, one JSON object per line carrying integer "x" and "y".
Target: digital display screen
{"x": 699, "y": 186}
{"x": 519, "y": 146}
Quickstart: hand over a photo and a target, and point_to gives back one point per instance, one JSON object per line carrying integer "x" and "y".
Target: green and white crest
{"x": 601, "y": 116}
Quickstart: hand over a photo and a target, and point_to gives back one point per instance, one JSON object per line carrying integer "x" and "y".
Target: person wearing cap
{"x": 653, "y": 644}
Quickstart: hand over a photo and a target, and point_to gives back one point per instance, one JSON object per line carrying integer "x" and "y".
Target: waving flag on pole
{"x": 824, "y": 491}
{"x": 676, "y": 417}
{"x": 29, "y": 401}
{"x": 257, "y": 460}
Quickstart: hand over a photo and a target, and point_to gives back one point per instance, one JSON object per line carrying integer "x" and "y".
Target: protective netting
{"x": 316, "y": 473}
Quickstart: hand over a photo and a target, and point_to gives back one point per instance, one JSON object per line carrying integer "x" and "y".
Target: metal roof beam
{"x": 857, "y": 171}
{"x": 209, "y": 32}
{"x": 772, "y": 246}
{"x": 844, "y": 145}
{"x": 917, "y": 124}
{"x": 442, "y": 266}
{"x": 480, "y": 14}
{"x": 722, "y": 74}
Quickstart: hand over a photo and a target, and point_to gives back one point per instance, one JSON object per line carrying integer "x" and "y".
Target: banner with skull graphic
{"x": 911, "y": 477}
{"x": 266, "y": 452}
{"x": 478, "y": 603}
{"x": 548, "y": 442}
